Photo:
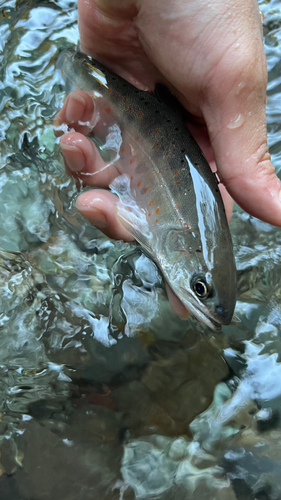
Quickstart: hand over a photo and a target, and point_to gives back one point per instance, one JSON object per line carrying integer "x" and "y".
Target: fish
{"x": 169, "y": 198}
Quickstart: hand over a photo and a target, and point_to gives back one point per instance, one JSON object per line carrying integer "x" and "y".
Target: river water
{"x": 104, "y": 393}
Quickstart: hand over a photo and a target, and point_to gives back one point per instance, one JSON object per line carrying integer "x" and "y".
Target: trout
{"x": 169, "y": 197}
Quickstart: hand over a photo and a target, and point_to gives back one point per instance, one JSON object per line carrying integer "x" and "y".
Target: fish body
{"x": 170, "y": 198}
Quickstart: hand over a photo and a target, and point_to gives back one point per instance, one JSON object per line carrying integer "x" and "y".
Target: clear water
{"x": 104, "y": 393}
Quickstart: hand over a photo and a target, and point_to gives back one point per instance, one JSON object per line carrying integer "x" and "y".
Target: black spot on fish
{"x": 182, "y": 161}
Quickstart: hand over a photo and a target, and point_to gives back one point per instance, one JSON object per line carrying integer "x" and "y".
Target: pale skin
{"x": 210, "y": 54}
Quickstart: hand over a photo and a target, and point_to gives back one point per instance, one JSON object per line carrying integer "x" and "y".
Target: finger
{"x": 79, "y": 112}
{"x": 227, "y": 201}
{"x": 176, "y": 304}
{"x": 83, "y": 160}
{"x": 84, "y": 114}
{"x": 107, "y": 31}
{"x": 200, "y": 134}
{"x": 99, "y": 208}
{"x": 236, "y": 120}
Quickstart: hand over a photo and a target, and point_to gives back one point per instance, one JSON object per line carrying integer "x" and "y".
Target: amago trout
{"x": 170, "y": 200}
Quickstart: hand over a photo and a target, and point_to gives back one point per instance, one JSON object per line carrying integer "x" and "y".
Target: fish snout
{"x": 223, "y": 314}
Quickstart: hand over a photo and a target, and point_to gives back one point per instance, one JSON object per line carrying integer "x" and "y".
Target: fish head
{"x": 205, "y": 286}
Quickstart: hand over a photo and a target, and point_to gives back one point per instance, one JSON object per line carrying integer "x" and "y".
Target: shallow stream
{"x": 104, "y": 392}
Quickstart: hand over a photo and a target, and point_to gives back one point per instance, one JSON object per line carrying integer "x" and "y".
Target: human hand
{"x": 211, "y": 57}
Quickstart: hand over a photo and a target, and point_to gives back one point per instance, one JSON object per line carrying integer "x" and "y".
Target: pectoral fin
{"x": 130, "y": 214}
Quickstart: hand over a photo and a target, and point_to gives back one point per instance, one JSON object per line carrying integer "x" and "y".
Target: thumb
{"x": 234, "y": 110}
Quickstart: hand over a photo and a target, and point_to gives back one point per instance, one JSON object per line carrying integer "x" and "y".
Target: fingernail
{"x": 73, "y": 157}
{"x": 75, "y": 108}
{"x": 98, "y": 219}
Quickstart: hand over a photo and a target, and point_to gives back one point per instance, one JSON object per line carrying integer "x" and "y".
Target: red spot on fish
{"x": 108, "y": 110}
{"x": 152, "y": 202}
{"x": 131, "y": 162}
{"x": 125, "y": 99}
{"x": 146, "y": 190}
{"x": 176, "y": 172}
{"x": 149, "y": 215}
{"x": 176, "y": 206}
{"x": 173, "y": 143}
{"x": 182, "y": 251}
{"x": 169, "y": 152}
{"x": 132, "y": 178}
{"x": 140, "y": 115}
{"x": 158, "y": 211}
{"x": 83, "y": 73}
{"x": 150, "y": 121}
{"x": 137, "y": 138}
{"x": 156, "y": 146}
{"x": 117, "y": 95}
{"x": 139, "y": 184}
{"x": 131, "y": 109}
{"x": 122, "y": 150}
{"x": 61, "y": 70}
{"x": 186, "y": 225}
{"x": 180, "y": 219}
{"x": 178, "y": 182}
{"x": 157, "y": 220}
{"x": 109, "y": 91}
{"x": 157, "y": 131}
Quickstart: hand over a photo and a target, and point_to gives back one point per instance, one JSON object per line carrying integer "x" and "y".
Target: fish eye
{"x": 201, "y": 288}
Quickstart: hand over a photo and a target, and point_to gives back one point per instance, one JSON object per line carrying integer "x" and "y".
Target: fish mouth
{"x": 210, "y": 322}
